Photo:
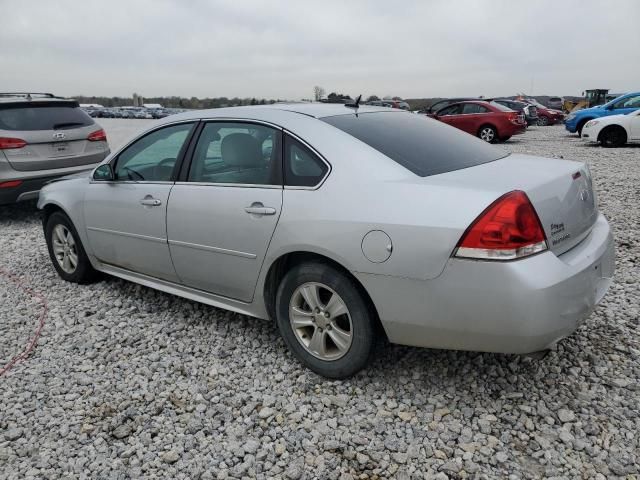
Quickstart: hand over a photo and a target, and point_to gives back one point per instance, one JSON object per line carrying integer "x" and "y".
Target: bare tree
{"x": 318, "y": 93}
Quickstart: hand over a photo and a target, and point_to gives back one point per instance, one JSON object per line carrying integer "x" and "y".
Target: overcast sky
{"x": 281, "y": 49}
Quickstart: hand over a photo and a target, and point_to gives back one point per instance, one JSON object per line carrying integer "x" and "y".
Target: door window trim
{"x": 183, "y": 176}
{"x": 177, "y": 168}
{"x": 314, "y": 152}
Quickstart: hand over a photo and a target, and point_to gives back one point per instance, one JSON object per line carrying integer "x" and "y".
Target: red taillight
{"x": 9, "y": 143}
{"x": 11, "y": 184}
{"x": 97, "y": 136}
{"x": 513, "y": 117}
{"x": 508, "y": 229}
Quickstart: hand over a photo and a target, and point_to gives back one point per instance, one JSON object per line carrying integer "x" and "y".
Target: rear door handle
{"x": 258, "y": 208}
{"x": 149, "y": 201}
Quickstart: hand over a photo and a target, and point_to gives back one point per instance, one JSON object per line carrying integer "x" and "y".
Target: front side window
{"x": 631, "y": 102}
{"x": 153, "y": 157}
{"x": 302, "y": 168}
{"x": 237, "y": 153}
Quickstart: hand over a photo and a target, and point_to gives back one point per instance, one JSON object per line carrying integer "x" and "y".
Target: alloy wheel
{"x": 64, "y": 248}
{"x": 487, "y": 134}
{"x": 320, "y": 321}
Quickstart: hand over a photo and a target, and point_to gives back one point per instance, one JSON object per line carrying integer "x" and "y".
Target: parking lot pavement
{"x": 128, "y": 382}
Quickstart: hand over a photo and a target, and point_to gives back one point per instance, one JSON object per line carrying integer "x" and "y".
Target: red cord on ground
{"x": 34, "y": 340}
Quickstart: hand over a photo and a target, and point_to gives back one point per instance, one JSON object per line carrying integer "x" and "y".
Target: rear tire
{"x": 66, "y": 251}
{"x": 325, "y": 320}
{"x": 488, "y": 133}
{"x": 543, "y": 121}
{"x": 613, "y": 137}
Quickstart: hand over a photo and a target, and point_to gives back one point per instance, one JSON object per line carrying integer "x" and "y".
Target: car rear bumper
{"x": 29, "y": 187}
{"x": 521, "y": 306}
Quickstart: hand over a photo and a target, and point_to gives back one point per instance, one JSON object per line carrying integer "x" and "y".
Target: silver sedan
{"x": 344, "y": 225}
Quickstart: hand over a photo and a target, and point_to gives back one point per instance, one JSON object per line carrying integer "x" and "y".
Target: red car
{"x": 548, "y": 116}
{"x": 488, "y": 120}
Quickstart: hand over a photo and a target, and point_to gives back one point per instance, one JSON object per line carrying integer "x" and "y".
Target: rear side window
{"x": 470, "y": 108}
{"x": 420, "y": 144}
{"x": 43, "y": 117}
{"x": 302, "y": 168}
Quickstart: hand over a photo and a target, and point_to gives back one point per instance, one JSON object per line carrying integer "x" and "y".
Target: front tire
{"x": 488, "y": 134}
{"x": 66, "y": 251}
{"x": 580, "y": 126}
{"x": 543, "y": 121}
{"x": 613, "y": 137}
{"x": 325, "y": 320}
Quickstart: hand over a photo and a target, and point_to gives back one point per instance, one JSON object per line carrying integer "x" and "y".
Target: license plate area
{"x": 59, "y": 149}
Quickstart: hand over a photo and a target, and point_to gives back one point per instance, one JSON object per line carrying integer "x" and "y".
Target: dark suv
{"x": 529, "y": 111}
{"x": 43, "y": 137}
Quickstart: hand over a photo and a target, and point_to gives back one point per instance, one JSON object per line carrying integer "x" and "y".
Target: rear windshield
{"x": 420, "y": 144}
{"x": 501, "y": 107}
{"x": 43, "y": 117}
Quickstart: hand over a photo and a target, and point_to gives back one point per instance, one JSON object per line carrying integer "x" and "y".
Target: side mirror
{"x": 104, "y": 173}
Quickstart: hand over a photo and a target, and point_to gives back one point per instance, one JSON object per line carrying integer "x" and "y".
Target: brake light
{"x": 508, "y": 229}
{"x": 513, "y": 117}
{"x": 97, "y": 136}
{"x": 11, "y": 184}
{"x": 10, "y": 143}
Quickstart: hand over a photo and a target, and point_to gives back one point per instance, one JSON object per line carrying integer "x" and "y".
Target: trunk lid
{"x": 51, "y": 149}
{"x": 561, "y": 192}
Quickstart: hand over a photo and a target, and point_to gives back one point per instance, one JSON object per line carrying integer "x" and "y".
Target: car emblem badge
{"x": 58, "y": 135}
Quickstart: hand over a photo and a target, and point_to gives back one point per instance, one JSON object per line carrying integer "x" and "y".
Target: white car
{"x": 613, "y": 131}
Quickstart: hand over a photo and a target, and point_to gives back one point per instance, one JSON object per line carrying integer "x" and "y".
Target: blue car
{"x": 618, "y": 106}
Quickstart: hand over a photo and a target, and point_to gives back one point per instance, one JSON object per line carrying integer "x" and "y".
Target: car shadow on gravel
{"x": 394, "y": 365}
{"x": 26, "y": 212}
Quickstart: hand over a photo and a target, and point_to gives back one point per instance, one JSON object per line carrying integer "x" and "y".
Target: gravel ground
{"x": 127, "y": 382}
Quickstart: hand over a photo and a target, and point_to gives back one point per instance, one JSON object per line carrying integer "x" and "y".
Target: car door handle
{"x": 149, "y": 201}
{"x": 259, "y": 209}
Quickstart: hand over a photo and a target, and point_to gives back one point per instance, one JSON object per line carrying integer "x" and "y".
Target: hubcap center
{"x": 321, "y": 320}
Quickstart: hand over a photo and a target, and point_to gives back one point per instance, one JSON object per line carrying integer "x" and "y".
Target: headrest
{"x": 241, "y": 150}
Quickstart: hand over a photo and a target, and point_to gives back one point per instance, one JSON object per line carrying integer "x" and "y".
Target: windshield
{"x": 420, "y": 144}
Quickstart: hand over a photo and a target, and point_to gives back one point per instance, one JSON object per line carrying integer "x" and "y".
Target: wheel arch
{"x": 614, "y": 126}
{"x": 49, "y": 208}
{"x": 285, "y": 262}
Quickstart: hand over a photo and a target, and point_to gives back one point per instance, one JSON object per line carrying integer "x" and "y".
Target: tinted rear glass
{"x": 45, "y": 117}
{"x": 501, "y": 107}
{"x": 420, "y": 144}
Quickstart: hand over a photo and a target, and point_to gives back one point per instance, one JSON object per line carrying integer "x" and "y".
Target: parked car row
{"x": 401, "y": 104}
{"x": 621, "y": 105}
{"x": 130, "y": 112}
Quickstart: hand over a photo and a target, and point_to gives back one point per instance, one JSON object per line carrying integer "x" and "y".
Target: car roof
{"x": 27, "y": 97}
{"x": 315, "y": 110}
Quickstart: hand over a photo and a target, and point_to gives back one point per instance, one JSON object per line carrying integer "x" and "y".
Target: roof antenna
{"x": 355, "y": 104}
